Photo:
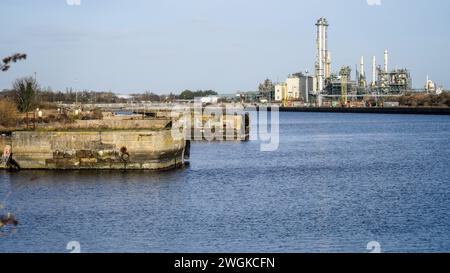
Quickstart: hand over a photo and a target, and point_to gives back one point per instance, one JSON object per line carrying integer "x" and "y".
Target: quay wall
{"x": 393, "y": 110}
{"x": 133, "y": 149}
{"x": 4, "y": 140}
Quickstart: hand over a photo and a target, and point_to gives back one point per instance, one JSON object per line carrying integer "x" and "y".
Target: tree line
{"x": 422, "y": 100}
{"x": 190, "y": 95}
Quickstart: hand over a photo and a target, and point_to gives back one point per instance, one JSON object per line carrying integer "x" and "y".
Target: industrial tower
{"x": 323, "y": 64}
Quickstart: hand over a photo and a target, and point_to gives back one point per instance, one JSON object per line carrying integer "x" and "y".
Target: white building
{"x": 307, "y": 83}
{"x": 293, "y": 87}
{"x": 279, "y": 92}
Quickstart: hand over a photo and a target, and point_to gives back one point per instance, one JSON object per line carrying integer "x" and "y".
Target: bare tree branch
{"x": 11, "y": 59}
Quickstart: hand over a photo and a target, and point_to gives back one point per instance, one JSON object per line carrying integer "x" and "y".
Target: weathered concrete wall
{"x": 232, "y": 126}
{"x": 222, "y": 127}
{"x": 113, "y": 124}
{"x": 106, "y": 149}
{"x": 4, "y": 140}
{"x": 225, "y": 128}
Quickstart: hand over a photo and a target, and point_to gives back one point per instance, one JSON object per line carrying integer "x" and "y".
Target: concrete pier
{"x": 125, "y": 149}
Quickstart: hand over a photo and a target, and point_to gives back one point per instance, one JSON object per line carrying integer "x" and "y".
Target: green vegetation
{"x": 146, "y": 96}
{"x": 25, "y": 90}
{"x": 85, "y": 96}
{"x": 189, "y": 95}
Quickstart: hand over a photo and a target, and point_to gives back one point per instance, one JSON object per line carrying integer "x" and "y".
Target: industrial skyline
{"x": 338, "y": 88}
{"x": 226, "y": 46}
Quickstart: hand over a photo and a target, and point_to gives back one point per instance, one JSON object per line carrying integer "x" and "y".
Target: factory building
{"x": 341, "y": 84}
{"x": 385, "y": 82}
{"x": 297, "y": 87}
{"x": 293, "y": 87}
{"x": 339, "y": 87}
{"x": 396, "y": 82}
{"x": 307, "y": 86}
{"x": 432, "y": 88}
{"x": 280, "y": 92}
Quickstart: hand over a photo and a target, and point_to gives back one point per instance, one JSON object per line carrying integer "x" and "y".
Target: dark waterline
{"x": 337, "y": 182}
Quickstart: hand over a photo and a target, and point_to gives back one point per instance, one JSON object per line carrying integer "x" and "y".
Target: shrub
{"x": 25, "y": 90}
{"x": 50, "y": 118}
{"x": 95, "y": 114}
{"x": 47, "y": 105}
{"x": 65, "y": 118}
{"x": 9, "y": 115}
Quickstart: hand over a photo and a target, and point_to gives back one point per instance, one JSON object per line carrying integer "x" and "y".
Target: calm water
{"x": 337, "y": 182}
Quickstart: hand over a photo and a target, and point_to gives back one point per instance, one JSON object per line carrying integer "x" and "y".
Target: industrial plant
{"x": 325, "y": 88}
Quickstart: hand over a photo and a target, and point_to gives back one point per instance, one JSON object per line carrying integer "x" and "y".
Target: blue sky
{"x": 225, "y": 45}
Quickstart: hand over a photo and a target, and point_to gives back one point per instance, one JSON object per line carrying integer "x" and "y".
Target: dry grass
{"x": 9, "y": 115}
{"x": 423, "y": 100}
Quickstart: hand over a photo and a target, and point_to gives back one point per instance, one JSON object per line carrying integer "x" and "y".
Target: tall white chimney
{"x": 322, "y": 53}
{"x": 362, "y": 72}
{"x": 386, "y": 61}
{"x": 374, "y": 70}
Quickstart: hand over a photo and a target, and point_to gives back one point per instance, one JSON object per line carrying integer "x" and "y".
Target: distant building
{"x": 126, "y": 97}
{"x": 297, "y": 87}
{"x": 342, "y": 84}
{"x": 293, "y": 87}
{"x": 280, "y": 92}
{"x": 307, "y": 82}
{"x": 397, "y": 81}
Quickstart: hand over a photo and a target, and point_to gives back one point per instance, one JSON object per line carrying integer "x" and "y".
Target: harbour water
{"x": 337, "y": 182}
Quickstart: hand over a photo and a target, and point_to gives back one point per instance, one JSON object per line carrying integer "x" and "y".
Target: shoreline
{"x": 397, "y": 110}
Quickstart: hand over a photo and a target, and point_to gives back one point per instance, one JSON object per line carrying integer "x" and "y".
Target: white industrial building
{"x": 295, "y": 88}
{"x": 278, "y": 92}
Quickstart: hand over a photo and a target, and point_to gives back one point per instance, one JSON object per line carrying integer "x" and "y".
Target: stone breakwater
{"x": 126, "y": 149}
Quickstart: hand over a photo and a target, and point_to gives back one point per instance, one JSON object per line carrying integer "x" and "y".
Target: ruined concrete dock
{"x": 128, "y": 145}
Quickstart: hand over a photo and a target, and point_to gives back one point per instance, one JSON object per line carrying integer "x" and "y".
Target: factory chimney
{"x": 362, "y": 72}
{"x": 386, "y": 61}
{"x": 322, "y": 53}
{"x": 374, "y": 71}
